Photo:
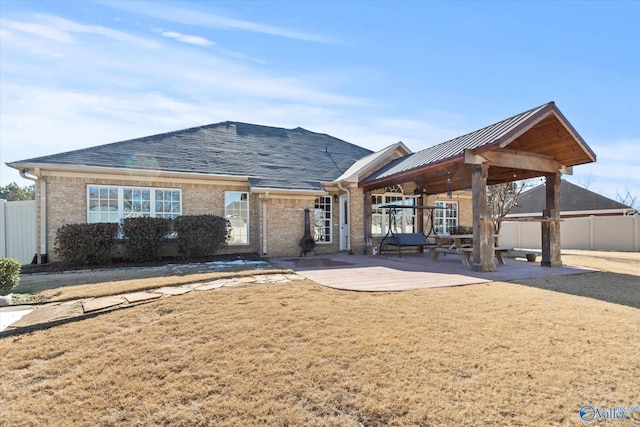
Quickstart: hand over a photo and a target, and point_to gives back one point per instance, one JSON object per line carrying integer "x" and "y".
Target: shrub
{"x": 201, "y": 235}
{"x": 144, "y": 236}
{"x": 9, "y": 274}
{"x": 83, "y": 244}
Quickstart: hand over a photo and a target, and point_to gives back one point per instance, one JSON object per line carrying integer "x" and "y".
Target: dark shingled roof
{"x": 271, "y": 157}
{"x": 572, "y": 198}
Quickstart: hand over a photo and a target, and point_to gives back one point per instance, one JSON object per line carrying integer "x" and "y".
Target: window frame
{"x": 320, "y": 206}
{"x": 120, "y": 212}
{"x": 444, "y": 215}
{"x": 405, "y": 218}
{"x": 229, "y": 215}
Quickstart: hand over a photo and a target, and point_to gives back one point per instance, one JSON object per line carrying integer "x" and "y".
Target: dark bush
{"x": 144, "y": 236}
{"x": 9, "y": 274}
{"x": 83, "y": 244}
{"x": 201, "y": 235}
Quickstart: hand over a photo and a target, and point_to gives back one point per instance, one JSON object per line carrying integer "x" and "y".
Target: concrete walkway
{"x": 412, "y": 271}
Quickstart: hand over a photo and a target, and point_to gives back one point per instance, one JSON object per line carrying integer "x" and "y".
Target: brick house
{"x": 259, "y": 177}
{"x": 262, "y": 178}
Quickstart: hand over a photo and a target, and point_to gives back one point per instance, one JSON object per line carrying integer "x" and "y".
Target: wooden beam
{"x": 483, "y": 241}
{"x": 521, "y": 160}
{"x": 551, "y": 229}
{"x": 473, "y": 159}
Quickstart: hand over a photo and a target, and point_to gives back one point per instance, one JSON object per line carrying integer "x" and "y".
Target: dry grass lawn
{"x": 301, "y": 354}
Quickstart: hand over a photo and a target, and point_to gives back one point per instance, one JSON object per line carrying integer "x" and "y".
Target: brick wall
{"x": 285, "y": 225}
{"x": 67, "y": 204}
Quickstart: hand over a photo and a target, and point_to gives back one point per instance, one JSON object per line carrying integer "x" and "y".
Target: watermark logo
{"x": 589, "y": 413}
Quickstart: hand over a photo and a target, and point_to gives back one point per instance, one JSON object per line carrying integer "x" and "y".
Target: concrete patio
{"x": 413, "y": 271}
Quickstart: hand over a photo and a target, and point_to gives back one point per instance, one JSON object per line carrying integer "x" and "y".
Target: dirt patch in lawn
{"x": 302, "y": 354}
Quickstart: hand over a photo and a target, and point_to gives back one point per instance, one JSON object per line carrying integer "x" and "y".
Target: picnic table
{"x": 464, "y": 250}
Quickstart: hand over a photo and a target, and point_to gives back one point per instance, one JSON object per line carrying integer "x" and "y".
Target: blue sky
{"x": 75, "y": 74}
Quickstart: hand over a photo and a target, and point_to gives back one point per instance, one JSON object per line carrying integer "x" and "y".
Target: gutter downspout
{"x": 348, "y": 214}
{"x": 264, "y": 223}
{"x": 43, "y": 210}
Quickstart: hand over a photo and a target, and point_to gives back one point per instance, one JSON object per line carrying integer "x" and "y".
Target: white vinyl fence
{"x": 18, "y": 230}
{"x": 617, "y": 233}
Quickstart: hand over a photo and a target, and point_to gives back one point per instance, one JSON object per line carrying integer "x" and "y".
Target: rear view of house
{"x": 263, "y": 178}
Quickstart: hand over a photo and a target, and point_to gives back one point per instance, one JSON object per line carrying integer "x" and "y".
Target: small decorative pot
{"x": 5, "y": 300}
{"x": 531, "y": 257}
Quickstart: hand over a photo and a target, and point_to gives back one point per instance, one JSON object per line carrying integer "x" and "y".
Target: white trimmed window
{"x": 405, "y": 219}
{"x": 236, "y": 210}
{"x": 110, "y": 203}
{"x": 446, "y": 218}
{"x": 322, "y": 220}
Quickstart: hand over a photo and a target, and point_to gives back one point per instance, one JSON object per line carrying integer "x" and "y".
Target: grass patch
{"x": 301, "y": 354}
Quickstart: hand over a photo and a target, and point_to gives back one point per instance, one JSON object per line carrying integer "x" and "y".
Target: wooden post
{"x": 483, "y": 246}
{"x": 366, "y": 221}
{"x": 551, "y": 228}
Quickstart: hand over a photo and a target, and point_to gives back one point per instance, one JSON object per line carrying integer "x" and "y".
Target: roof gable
{"x": 373, "y": 161}
{"x": 278, "y": 156}
{"x": 542, "y": 133}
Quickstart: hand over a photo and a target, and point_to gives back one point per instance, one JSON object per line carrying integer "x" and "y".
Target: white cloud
{"x": 184, "y": 38}
{"x": 44, "y": 31}
{"x": 68, "y": 26}
{"x": 210, "y": 20}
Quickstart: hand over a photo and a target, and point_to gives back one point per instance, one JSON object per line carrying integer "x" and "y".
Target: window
{"x": 322, "y": 220}
{"x": 236, "y": 210}
{"x": 103, "y": 204}
{"x": 107, "y": 203}
{"x": 446, "y": 218}
{"x": 137, "y": 202}
{"x": 405, "y": 221}
{"x": 168, "y": 203}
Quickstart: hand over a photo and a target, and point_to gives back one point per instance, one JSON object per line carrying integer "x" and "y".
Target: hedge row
{"x": 196, "y": 236}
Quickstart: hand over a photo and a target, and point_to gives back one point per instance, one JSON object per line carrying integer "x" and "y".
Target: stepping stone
{"x": 141, "y": 296}
{"x": 173, "y": 291}
{"x": 209, "y": 286}
{"x": 48, "y": 314}
{"x": 248, "y": 279}
{"x": 277, "y": 278}
{"x": 192, "y": 285}
{"x": 101, "y": 303}
{"x": 294, "y": 277}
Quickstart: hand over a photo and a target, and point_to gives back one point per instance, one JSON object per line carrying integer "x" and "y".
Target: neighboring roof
{"x": 542, "y": 131}
{"x": 367, "y": 164}
{"x": 272, "y": 157}
{"x": 573, "y": 198}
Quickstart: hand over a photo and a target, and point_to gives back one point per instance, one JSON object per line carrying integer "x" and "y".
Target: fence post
{"x": 636, "y": 232}
{"x": 3, "y": 228}
{"x": 591, "y": 219}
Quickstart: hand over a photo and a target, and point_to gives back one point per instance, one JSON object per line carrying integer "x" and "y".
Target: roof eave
{"x": 129, "y": 172}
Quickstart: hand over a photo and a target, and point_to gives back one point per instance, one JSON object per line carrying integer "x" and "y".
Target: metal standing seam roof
{"x": 271, "y": 157}
{"x": 455, "y": 147}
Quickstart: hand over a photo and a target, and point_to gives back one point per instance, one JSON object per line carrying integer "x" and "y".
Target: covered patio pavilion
{"x": 537, "y": 143}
